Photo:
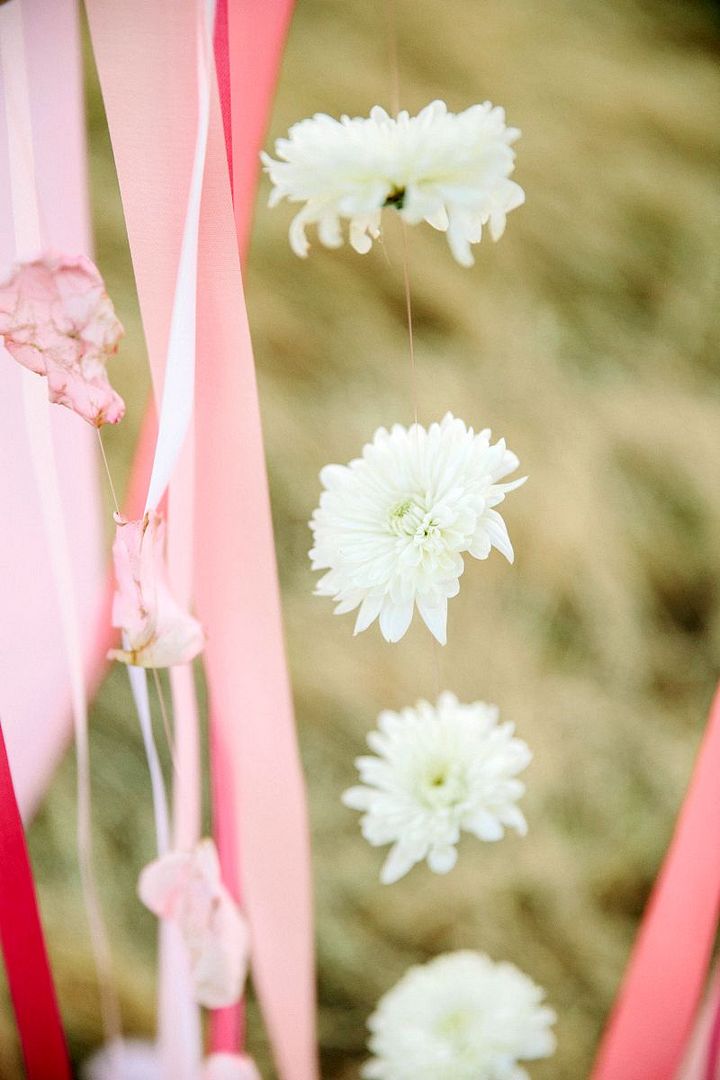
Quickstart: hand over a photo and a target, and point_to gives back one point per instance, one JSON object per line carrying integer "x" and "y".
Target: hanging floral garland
{"x": 390, "y": 535}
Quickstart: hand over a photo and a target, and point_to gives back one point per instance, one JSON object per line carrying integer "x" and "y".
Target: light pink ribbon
{"x": 29, "y": 239}
{"x": 34, "y": 685}
{"x": 144, "y": 61}
{"x": 651, "y": 1023}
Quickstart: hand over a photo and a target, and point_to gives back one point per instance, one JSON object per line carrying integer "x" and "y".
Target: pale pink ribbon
{"x": 34, "y": 686}
{"x": 144, "y": 61}
{"x": 650, "y": 1026}
{"x": 28, "y": 243}
{"x": 173, "y": 377}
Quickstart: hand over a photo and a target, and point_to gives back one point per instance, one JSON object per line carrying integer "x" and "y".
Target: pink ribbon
{"x": 34, "y": 684}
{"x": 649, "y": 1028}
{"x": 256, "y": 37}
{"x": 23, "y": 944}
{"x": 144, "y": 57}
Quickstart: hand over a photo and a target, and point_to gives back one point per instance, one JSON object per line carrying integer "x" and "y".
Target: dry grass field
{"x": 588, "y": 337}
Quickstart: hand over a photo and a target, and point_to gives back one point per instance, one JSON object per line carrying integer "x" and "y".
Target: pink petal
{"x": 161, "y": 883}
{"x": 186, "y": 888}
{"x": 157, "y": 631}
{"x": 57, "y": 320}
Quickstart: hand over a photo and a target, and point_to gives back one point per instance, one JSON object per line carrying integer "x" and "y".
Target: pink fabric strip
{"x": 653, "y": 1016}
{"x": 227, "y": 1026}
{"x": 42, "y": 454}
{"x": 144, "y": 61}
{"x": 248, "y": 49}
{"x": 36, "y": 707}
{"x": 238, "y": 602}
{"x": 222, "y": 68}
{"x": 256, "y": 34}
{"x": 26, "y": 963}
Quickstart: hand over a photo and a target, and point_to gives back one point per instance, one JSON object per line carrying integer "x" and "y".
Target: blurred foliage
{"x": 588, "y": 338}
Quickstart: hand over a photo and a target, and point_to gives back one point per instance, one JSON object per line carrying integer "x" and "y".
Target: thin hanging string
{"x": 437, "y": 664}
{"x": 28, "y": 236}
{"x": 103, "y": 455}
{"x": 408, "y": 312}
{"x": 391, "y": 18}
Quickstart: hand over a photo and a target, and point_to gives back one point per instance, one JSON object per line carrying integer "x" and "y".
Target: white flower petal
{"x": 438, "y": 770}
{"x": 435, "y": 617}
{"x": 397, "y": 865}
{"x": 395, "y": 620}
{"x": 392, "y": 526}
{"x": 459, "y": 1016}
{"x": 368, "y": 613}
{"x": 441, "y": 860}
{"x": 358, "y": 798}
{"x": 496, "y": 530}
{"x": 451, "y": 170}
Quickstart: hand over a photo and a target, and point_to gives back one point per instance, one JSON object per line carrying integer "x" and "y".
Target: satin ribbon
{"x": 652, "y": 1019}
{"x": 143, "y": 58}
{"x": 257, "y": 30}
{"x": 23, "y": 944}
{"x": 174, "y": 384}
{"x": 178, "y": 391}
{"x": 34, "y": 686}
{"x": 249, "y": 38}
{"x": 28, "y": 242}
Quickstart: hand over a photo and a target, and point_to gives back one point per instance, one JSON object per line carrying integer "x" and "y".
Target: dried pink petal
{"x": 186, "y": 888}
{"x": 57, "y": 320}
{"x": 157, "y": 631}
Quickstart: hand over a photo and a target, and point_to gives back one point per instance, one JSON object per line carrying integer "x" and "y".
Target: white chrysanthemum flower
{"x": 440, "y": 770}
{"x": 451, "y": 170}
{"x": 393, "y": 525}
{"x": 460, "y": 1017}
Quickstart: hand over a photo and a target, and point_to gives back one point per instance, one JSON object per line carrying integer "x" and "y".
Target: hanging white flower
{"x": 393, "y": 525}
{"x": 451, "y": 170}
{"x": 460, "y": 1017}
{"x": 439, "y": 770}
{"x": 125, "y": 1059}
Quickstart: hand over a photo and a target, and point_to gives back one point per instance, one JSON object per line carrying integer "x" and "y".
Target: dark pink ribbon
{"x": 26, "y": 962}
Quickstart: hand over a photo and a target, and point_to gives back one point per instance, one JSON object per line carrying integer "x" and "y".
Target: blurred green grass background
{"x": 587, "y": 337}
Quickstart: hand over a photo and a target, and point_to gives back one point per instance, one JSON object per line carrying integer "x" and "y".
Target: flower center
{"x": 396, "y": 198}
{"x": 455, "y": 1024}
{"x": 407, "y": 517}
{"x": 442, "y": 785}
